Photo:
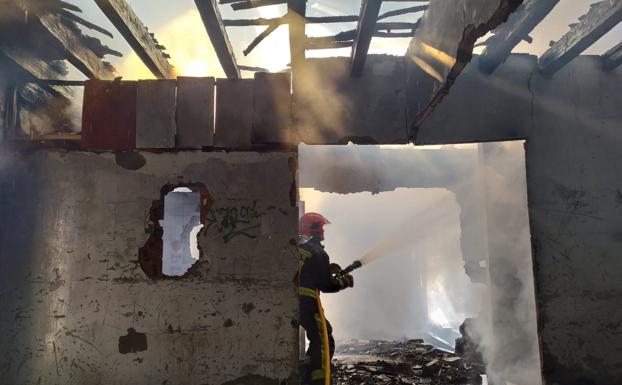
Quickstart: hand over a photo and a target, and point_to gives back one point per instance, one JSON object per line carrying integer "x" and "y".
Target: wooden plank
{"x": 195, "y": 112}
{"x": 120, "y": 13}
{"x": 272, "y": 108}
{"x": 612, "y": 58}
{"x": 155, "y": 113}
{"x": 364, "y": 31}
{"x": 234, "y": 113}
{"x": 296, "y": 12}
{"x": 218, "y": 36}
{"x": 509, "y": 34}
{"x": 109, "y": 115}
{"x": 75, "y": 51}
{"x": 599, "y": 20}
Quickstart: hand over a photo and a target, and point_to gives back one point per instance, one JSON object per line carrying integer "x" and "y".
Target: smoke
{"x": 448, "y": 234}
{"x": 510, "y": 341}
{"x": 190, "y": 56}
{"x": 400, "y": 237}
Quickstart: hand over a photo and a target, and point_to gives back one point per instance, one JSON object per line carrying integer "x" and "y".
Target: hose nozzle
{"x": 353, "y": 266}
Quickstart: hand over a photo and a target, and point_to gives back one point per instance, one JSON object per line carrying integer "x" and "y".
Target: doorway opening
{"x": 451, "y": 275}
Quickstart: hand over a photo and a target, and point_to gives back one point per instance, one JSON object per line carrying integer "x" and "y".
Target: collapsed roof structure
{"x": 74, "y": 280}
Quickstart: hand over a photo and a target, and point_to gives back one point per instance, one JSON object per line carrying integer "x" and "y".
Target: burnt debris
{"x": 401, "y": 363}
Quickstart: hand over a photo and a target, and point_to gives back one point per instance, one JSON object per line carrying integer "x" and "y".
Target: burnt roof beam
{"x": 75, "y": 50}
{"x": 509, "y": 34}
{"x": 250, "y": 4}
{"x": 218, "y": 36}
{"x": 365, "y": 29}
{"x": 137, "y": 35}
{"x": 599, "y": 20}
{"x": 296, "y": 12}
{"x": 320, "y": 19}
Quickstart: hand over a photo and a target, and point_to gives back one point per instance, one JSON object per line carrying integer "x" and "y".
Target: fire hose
{"x": 339, "y": 273}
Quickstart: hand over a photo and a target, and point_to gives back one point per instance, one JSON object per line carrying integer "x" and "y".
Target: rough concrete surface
{"x": 480, "y": 107}
{"x": 445, "y": 38}
{"x": 78, "y": 309}
{"x": 575, "y": 204}
{"x": 3, "y": 89}
{"x": 332, "y": 107}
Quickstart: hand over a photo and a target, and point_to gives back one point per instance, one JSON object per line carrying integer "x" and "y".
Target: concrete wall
{"x": 71, "y": 285}
{"x": 574, "y": 181}
{"x": 573, "y": 151}
{"x": 3, "y": 91}
{"x": 332, "y": 107}
{"x": 479, "y": 107}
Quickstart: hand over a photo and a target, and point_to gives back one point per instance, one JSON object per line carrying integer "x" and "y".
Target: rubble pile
{"x": 401, "y": 363}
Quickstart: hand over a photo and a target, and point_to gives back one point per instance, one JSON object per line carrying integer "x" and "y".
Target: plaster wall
{"x": 71, "y": 285}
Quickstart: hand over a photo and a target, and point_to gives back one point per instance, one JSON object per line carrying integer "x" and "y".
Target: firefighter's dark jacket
{"x": 314, "y": 267}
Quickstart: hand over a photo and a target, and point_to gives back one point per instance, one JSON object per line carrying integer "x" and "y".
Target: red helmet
{"x": 313, "y": 224}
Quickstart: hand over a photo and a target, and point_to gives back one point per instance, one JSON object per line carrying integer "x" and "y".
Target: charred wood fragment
{"x": 599, "y": 20}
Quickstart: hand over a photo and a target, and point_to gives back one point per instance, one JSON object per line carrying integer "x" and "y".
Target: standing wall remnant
{"x": 78, "y": 308}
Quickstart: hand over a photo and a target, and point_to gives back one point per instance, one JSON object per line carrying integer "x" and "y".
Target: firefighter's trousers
{"x": 311, "y": 320}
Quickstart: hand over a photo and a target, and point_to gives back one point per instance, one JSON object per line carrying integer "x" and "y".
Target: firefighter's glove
{"x": 335, "y": 269}
{"x": 348, "y": 281}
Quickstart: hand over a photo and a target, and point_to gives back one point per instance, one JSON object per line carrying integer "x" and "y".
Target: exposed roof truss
{"x": 599, "y": 20}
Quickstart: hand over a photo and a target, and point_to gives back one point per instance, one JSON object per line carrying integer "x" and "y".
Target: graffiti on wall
{"x": 235, "y": 221}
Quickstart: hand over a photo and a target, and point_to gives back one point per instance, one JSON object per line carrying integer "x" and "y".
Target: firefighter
{"x": 316, "y": 274}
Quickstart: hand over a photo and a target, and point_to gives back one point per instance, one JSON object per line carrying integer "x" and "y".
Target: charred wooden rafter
{"x": 265, "y": 33}
{"x": 249, "y": 4}
{"x": 320, "y": 19}
{"x": 137, "y": 35}
{"x": 77, "y": 50}
{"x": 218, "y": 36}
{"x": 517, "y": 28}
{"x": 612, "y": 58}
{"x": 346, "y": 38}
{"x": 366, "y": 27}
{"x": 599, "y": 20}
{"x": 73, "y": 17}
{"x": 51, "y": 24}
{"x": 253, "y": 69}
{"x": 296, "y": 13}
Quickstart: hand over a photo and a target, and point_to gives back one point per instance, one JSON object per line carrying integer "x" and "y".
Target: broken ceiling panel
{"x": 443, "y": 43}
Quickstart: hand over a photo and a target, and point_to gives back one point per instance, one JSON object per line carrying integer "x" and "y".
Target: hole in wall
{"x": 175, "y": 222}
